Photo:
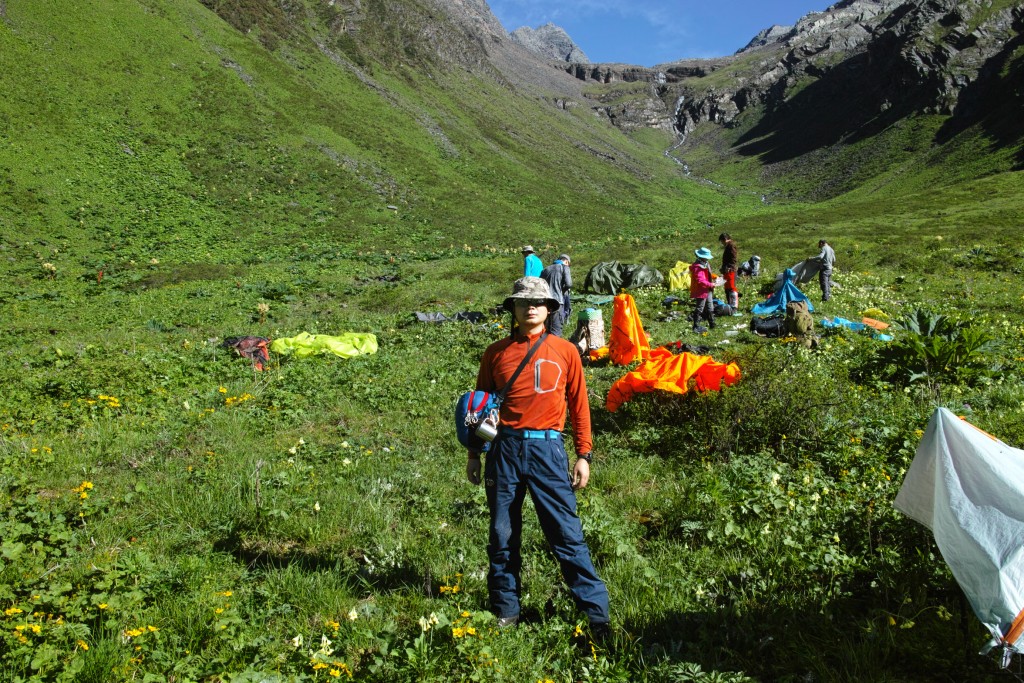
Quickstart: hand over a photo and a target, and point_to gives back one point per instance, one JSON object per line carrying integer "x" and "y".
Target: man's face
{"x": 530, "y": 312}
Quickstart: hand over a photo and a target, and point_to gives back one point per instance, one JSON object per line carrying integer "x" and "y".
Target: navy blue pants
{"x": 514, "y": 466}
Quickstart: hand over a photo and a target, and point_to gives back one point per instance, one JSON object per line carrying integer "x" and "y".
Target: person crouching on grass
{"x": 702, "y": 284}
{"x": 528, "y": 456}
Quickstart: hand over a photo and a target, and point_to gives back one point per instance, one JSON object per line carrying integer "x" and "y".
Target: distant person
{"x": 559, "y": 280}
{"x": 528, "y": 456}
{"x": 702, "y": 284}
{"x": 532, "y": 265}
{"x": 826, "y": 261}
{"x": 730, "y": 261}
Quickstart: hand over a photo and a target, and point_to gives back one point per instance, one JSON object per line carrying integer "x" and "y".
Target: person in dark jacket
{"x": 730, "y": 260}
{"x": 559, "y": 280}
{"x": 826, "y": 261}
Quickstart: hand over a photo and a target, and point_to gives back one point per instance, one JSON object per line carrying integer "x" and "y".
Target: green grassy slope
{"x": 144, "y": 124}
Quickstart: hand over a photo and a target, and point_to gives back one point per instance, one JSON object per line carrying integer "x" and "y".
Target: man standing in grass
{"x": 826, "y": 259}
{"x": 559, "y": 280}
{"x": 532, "y": 265}
{"x": 528, "y": 456}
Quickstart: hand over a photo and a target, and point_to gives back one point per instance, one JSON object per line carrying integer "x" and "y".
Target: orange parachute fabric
{"x": 668, "y": 372}
{"x": 628, "y": 340}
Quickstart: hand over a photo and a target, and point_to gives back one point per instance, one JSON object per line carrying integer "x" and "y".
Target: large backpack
{"x": 589, "y": 333}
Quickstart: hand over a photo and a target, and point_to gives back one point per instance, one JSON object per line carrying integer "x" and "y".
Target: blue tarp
{"x": 786, "y": 293}
{"x": 856, "y": 327}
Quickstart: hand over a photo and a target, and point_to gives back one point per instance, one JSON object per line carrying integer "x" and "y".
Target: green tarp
{"x": 609, "y": 277}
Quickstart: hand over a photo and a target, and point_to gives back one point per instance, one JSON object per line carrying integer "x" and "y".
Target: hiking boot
{"x": 700, "y": 330}
{"x": 508, "y": 622}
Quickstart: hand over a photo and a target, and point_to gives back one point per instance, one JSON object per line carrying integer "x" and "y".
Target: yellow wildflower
{"x": 102, "y": 605}
{"x": 334, "y": 672}
{"x": 458, "y": 632}
{"x": 11, "y": 611}
{"x": 82, "y": 644}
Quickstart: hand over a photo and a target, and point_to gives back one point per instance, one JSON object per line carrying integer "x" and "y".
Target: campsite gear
{"x": 783, "y": 295}
{"x": 472, "y": 408}
{"x": 799, "y": 322}
{"x": 531, "y": 289}
{"x": 751, "y": 267}
{"x": 722, "y": 309}
{"x": 670, "y": 300}
{"x": 665, "y": 371}
{"x": 464, "y": 316}
{"x": 703, "y": 253}
{"x": 589, "y": 332}
{"x": 968, "y": 488}
{"x": 768, "y": 327}
{"x": 628, "y": 340}
{"x": 679, "y": 277}
{"x": 253, "y": 348}
{"x": 481, "y": 414}
{"x": 836, "y": 321}
{"x": 515, "y": 465}
{"x": 875, "y": 324}
{"x": 346, "y": 345}
{"x": 611, "y": 276}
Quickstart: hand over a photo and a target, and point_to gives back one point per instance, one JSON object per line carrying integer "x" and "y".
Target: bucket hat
{"x": 703, "y": 252}
{"x": 564, "y": 257}
{"x": 528, "y": 249}
{"x": 532, "y": 288}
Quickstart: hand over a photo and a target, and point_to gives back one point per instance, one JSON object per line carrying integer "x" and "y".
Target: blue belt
{"x": 549, "y": 434}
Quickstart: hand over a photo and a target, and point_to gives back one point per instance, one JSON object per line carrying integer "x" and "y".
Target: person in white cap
{"x": 559, "y": 279}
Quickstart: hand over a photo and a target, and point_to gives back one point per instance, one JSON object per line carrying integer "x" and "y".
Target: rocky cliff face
{"x": 856, "y": 65}
{"x": 550, "y": 42}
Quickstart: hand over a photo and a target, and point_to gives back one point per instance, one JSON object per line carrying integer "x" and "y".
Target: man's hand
{"x": 580, "y": 474}
{"x": 473, "y": 469}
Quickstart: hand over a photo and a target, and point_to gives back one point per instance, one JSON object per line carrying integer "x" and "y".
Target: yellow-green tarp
{"x": 679, "y": 277}
{"x": 344, "y": 345}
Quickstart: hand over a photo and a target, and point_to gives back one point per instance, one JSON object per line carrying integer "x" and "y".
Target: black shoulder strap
{"x": 526, "y": 359}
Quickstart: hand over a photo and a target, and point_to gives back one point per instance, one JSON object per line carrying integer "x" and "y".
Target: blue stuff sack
{"x": 471, "y": 408}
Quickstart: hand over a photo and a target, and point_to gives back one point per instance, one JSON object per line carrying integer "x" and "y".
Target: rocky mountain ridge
{"x": 881, "y": 58}
{"x": 550, "y": 42}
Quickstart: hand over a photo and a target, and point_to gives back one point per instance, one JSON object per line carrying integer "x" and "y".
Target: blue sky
{"x": 649, "y": 32}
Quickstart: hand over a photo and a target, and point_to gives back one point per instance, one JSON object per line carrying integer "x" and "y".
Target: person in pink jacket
{"x": 702, "y": 284}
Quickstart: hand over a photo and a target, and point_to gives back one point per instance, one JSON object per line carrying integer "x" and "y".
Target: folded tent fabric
{"x": 968, "y": 488}
{"x": 345, "y": 345}
{"x": 628, "y": 340}
{"x": 782, "y": 296}
{"x": 608, "y": 277}
{"x": 664, "y": 371}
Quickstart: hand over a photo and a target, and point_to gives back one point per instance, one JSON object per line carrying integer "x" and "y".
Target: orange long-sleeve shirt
{"x": 552, "y": 381}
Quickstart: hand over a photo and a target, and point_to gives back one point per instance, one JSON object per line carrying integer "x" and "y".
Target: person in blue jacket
{"x": 532, "y": 265}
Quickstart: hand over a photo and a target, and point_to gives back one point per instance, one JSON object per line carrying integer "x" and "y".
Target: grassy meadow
{"x": 168, "y": 514}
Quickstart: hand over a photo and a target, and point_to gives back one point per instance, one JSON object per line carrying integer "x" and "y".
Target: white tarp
{"x": 968, "y": 488}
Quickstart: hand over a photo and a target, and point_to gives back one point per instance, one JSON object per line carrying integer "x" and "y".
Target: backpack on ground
{"x": 768, "y": 327}
{"x": 589, "y": 333}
